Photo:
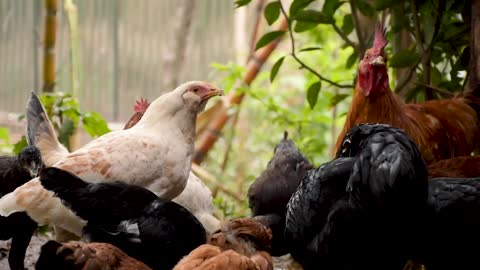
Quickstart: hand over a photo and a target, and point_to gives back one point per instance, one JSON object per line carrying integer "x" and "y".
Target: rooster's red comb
{"x": 141, "y": 105}
{"x": 380, "y": 40}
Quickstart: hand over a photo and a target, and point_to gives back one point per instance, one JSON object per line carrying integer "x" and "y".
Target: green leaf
{"x": 352, "y": 59}
{"x": 404, "y": 58}
{"x": 298, "y": 5}
{"x": 313, "y": 16}
{"x": 4, "y": 135}
{"x": 94, "y": 124}
{"x": 275, "y": 68}
{"x": 303, "y": 26}
{"x": 337, "y": 99}
{"x": 312, "y": 93}
{"x": 272, "y": 12}
{"x": 267, "y": 38}
{"x": 241, "y": 3}
{"x": 436, "y": 76}
{"x": 330, "y": 6}
{"x": 310, "y": 49}
{"x": 365, "y": 8}
{"x": 347, "y": 26}
{"x": 66, "y": 131}
{"x": 384, "y": 4}
{"x": 17, "y": 147}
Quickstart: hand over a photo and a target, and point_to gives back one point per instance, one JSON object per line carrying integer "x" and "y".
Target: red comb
{"x": 141, "y": 105}
{"x": 380, "y": 41}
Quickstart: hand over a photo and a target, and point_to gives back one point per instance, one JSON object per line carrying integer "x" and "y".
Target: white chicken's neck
{"x": 160, "y": 118}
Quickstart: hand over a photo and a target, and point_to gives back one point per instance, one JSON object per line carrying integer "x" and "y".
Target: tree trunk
{"x": 474, "y": 76}
{"x": 50, "y": 38}
{"x": 364, "y": 26}
{"x": 402, "y": 41}
{"x": 176, "y": 54}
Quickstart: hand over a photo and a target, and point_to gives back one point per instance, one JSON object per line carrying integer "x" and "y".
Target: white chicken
{"x": 155, "y": 153}
{"x": 196, "y": 197}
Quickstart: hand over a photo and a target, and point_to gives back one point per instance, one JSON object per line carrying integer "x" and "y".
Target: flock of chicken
{"x": 399, "y": 191}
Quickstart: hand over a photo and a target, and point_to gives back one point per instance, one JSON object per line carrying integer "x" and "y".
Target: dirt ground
{"x": 32, "y": 252}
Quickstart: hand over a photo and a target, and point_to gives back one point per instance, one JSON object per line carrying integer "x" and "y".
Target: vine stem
{"x": 302, "y": 64}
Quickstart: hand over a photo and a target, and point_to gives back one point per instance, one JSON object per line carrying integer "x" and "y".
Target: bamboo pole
{"x": 208, "y": 139}
{"x": 51, "y": 7}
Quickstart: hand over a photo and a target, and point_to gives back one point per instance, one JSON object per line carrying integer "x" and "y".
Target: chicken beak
{"x": 213, "y": 92}
{"x": 378, "y": 61}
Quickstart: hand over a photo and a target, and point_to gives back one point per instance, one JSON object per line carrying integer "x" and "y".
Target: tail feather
{"x": 40, "y": 132}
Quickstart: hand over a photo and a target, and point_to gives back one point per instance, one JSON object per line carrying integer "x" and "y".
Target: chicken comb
{"x": 141, "y": 105}
{"x": 380, "y": 40}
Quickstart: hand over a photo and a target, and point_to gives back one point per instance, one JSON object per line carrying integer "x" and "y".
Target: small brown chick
{"x": 240, "y": 244}
{"x": 76, "y": 255}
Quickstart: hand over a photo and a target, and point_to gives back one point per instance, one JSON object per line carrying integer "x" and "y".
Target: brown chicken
{"x": 442, "y": 128}
{"x": 458, "y": 167}
{"x": 139, "y": 108}
{"x": 240, "y": 244}
{"x": 82, "y": 256}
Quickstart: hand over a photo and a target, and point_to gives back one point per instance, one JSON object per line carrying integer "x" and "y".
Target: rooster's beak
{"x": 378, "y": 61}
{"x": 213, "y": 92}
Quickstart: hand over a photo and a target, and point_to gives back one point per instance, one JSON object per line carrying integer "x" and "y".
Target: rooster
{"x": 240, "y": 244}
{"x": 196, "y": 197}
{"x": 269, "y": 194}
{"x": 442, "y": 128}
{"x": 155, "y": 231}
{"x": 457, "y": 167}
{"x": 155, "y": 153}
{"x": 82, "y": 256}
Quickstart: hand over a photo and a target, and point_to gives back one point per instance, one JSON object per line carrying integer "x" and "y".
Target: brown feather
{"x": 458, "y": 167}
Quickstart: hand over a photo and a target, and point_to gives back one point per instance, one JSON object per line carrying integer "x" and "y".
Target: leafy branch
{"x": 302, "y": 64}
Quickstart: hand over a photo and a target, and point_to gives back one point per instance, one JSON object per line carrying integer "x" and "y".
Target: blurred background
{"x": 92, "y": 59}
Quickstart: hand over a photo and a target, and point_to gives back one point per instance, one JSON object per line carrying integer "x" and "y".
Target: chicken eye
{"x": 366, "y": 57}
{"x": 195, "y": 90}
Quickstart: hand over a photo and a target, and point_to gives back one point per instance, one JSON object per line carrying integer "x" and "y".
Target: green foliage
{"x": 312, "y": 93}
{"x": 299, "y": 90}
{"x": 5, "y": 144}
{"x": 276, "y": 67}
{"x": 64, "y": 111}
{"x": 241, "y": 3}
{"x": 267, "y": 38}
{"x": 272, "y": 12}
{"x": 404, "y": 58}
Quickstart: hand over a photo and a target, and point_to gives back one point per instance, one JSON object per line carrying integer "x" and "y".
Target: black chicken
{"x": 450, "y": 228}
{"x": 269, "y": 194}
{"x": 14, "y": 172}
{"x": 155, "y": 231}
{"x": 358, "y": 211}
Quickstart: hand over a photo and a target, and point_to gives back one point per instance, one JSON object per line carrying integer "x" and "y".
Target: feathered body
{"x": 155, "y": 231}
{"x": 457, "y": 167}
{"x": 357, "y": 211}
{"x": 196, "y": 197}
{"x": 451, "y": 226}
{"x": 15, "y": 171}
{"x": 240, "y": 244}
{"x": 155, "y": 153}
{"x": 269, "y": 194}
{"x": 430, "y": 124}
{"x": 82, "y": 256}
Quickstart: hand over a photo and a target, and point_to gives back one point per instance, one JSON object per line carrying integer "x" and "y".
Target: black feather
{"x": 150, "y": 229}
{"x": 269, "y": 194}
{"x": 14, "y": 172}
